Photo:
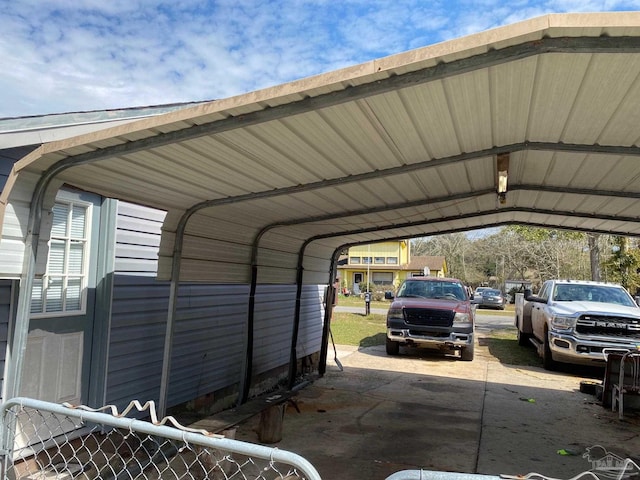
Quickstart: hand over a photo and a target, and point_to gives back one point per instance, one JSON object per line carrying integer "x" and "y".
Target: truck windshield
{"x": 432, "y": 289}
{"x": 592, "y": 293}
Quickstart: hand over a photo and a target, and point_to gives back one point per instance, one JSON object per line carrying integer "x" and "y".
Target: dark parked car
{"x": 492, "y": 298}
{"x": 477, "y": 295}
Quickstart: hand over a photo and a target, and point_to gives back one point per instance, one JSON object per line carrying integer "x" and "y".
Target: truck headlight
{"x": 395, "y": 314}
{"x": 558, "y": 322}
{"x": 461, "y": 318}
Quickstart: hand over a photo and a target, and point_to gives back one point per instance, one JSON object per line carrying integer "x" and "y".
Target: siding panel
{"x": 274, "y": 317}
{"x": 209, "y": 340}
{"x": 5, "y": 312}
{"x": 210, "y": 328}
{"x": 8, "y": 157}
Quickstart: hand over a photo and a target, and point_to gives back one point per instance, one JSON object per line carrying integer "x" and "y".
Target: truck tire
{"x": 466, "y": 354}
{"x": 393, "y": 348}
{"x": 523, "y": 338}
{"x": 547, "y": 359}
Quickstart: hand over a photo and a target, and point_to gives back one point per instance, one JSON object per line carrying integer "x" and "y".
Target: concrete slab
{"x": 385, "y": 414}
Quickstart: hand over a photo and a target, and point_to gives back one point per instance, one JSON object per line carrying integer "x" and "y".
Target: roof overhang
{"x": 533, "y": 123}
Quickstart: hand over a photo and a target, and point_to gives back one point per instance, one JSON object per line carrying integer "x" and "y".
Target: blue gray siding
{"x": 210, "y": 326}
{"x": 274, "y": 315}
{"x": 209, "y": 340}
{"x": 138, "y": 319}
{"x": 311, "y": 319}
{"x": 8, "y": 157}
{"x": 6, "y": 311}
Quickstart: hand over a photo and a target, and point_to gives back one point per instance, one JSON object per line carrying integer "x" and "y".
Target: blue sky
{"x": 65, "y": 56}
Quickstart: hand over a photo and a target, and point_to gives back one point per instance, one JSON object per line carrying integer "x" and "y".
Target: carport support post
{"x": 171, "y": 310}
{"x": 328, "y": 313}
{"x": 247, "y": 365}
{"x": 245, "y": 384}
{"x": 18, "y": 339}
{"x": 293, "y": 358}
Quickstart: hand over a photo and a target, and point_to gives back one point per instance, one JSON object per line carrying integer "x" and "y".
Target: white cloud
{"x": 92, "y": 54}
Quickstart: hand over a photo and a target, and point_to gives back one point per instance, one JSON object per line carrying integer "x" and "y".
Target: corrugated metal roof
{"x": 398, "y": 147}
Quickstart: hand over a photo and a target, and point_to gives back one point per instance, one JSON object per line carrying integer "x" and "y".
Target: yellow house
{"x": 385, "y": 264}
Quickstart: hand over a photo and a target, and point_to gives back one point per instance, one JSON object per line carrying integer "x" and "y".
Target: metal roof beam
{"x": 478, "y": 214}
{"x": 424, "y": 165}
{"x": 574, "y": 191}
{"x": 460, "y": 196}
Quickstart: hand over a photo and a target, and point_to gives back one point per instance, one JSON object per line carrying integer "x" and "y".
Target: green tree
{"x": 520, "y": 252}
{"x": 453, "y": 246}
{"x": 623, "y": 264}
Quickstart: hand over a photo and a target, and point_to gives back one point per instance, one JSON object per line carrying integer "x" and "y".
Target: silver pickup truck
{"x": 572, "y": 321}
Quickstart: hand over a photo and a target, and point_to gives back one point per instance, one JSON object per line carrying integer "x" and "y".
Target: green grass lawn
{"x": 358, "y": 329}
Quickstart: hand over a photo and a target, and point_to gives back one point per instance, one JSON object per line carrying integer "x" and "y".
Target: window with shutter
{"x": 62, "y": 289}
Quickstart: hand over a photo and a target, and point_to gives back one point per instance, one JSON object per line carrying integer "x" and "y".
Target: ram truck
{"x": 433, "y": 313}
{"x": 572, "y": 321}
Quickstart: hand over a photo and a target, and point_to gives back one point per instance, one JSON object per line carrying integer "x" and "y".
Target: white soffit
{"x": 402, "y": 146}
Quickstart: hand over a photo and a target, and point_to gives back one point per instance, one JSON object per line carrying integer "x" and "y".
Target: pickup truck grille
{"x": 608, "y": 325}
{"x": 429, "y": 316}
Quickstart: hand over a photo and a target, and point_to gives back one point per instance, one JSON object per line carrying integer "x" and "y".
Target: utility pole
{"x": 368, "y": 267}
{"x": 594, "y": 256}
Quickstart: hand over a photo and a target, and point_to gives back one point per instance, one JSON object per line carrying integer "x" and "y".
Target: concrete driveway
{"x": 381, "y": 414}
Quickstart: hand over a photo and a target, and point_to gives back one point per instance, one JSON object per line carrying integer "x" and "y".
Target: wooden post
{"x": 270, "y": 427}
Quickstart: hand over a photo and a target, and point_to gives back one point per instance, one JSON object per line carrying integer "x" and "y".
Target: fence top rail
{"x": 176, "y": 432}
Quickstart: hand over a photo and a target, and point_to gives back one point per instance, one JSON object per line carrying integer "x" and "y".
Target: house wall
{"x": 378, "y": 270}
{"x": 16, "y": 214}
{"x": 347, "y": 276}
{"x": 210, "y": 331}
{"x": 9, "y": 156}
{"x": 6, "y": 311}
{"x": 15, "y": 226}
{"x": 398, "y": 249}
{"x": 274, "y": 316}
{"x": 385, "y": 249}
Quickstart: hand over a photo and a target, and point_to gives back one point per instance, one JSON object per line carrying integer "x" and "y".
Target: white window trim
{"x": 62, "y": 199}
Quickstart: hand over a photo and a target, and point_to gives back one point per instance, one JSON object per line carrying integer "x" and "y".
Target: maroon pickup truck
{"x": 434, "y": 313}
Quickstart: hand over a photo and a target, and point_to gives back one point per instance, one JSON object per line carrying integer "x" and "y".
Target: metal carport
{"x": 269, "y": 186}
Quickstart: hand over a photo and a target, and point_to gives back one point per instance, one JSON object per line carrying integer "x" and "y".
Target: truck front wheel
{"x": 393, "y": 348}
{"x": 547, "y": 359}
{"x": 466, "y": 354}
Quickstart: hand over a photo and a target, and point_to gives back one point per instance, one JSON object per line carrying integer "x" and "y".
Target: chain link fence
{"x": 45, "y": 441}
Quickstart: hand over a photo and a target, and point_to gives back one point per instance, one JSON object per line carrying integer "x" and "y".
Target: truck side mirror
{"x": 527, "y": 294}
